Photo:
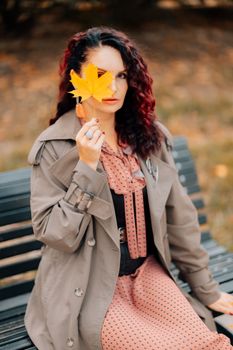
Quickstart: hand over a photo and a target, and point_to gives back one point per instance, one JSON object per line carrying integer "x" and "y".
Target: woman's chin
{"x": 108, "y": 109}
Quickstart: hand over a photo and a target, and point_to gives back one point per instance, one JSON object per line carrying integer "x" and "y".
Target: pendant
{"x": 154, "y": 171}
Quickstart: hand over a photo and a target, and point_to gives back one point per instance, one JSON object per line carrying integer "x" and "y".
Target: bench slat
{"x": 205, "y": 235}
{"x": 12, "y": 175}
{"x": 19, "y": 267}
{"x": 13, "y": 216}
{"x": 12, "y": 303}
{"x": 15, "y": 203}
{"x": 15, "y": 189}
{"x": 20, "y": 248}
{"x": 224, "y": 325}
{"x": 15, "y": 289}
{"x": 16, "y": 232}
{"x": 227, "y": 287}
{"x": 187, "y": 179}
{"x": 181, "y": 155}
{"x": 21, "y": 343}
{"x": 180, "y": 142}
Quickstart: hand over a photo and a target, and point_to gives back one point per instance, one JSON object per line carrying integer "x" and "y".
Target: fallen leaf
{"x": 221, "y": 170}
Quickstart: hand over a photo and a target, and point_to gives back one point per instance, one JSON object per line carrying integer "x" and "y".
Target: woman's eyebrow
{"x": 103, "y": 70}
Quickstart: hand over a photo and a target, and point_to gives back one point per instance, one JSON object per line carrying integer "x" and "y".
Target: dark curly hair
{"x": 135, "y": 121}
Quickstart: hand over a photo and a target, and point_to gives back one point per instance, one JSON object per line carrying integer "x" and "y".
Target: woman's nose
{"x": 113, "y": 85}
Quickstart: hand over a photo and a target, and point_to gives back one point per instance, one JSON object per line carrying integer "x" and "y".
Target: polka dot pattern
{"x": 149, "y": 312}
{"x": 125, "y": 177}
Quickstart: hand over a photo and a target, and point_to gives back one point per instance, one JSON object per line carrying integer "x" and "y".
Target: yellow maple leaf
{"x": 91, "y": 85}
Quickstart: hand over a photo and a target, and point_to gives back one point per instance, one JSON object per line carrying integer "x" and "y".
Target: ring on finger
{"x": 89, "y": 134}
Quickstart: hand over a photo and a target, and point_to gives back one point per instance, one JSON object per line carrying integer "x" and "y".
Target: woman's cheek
{"x": 124, "y": 88}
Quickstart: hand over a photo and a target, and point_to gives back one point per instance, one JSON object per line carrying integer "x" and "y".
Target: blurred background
{"x": 188, "y": 46}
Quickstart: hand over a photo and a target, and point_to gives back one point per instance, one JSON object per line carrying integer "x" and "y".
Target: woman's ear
{"x": 80, "y": 113}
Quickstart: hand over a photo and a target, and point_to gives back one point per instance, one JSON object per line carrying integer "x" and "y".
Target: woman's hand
{"x": 90, "y": 149}
{"x": 224, "y": 304}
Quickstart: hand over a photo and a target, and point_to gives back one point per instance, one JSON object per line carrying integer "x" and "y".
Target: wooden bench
{"x": 20, "y": 252}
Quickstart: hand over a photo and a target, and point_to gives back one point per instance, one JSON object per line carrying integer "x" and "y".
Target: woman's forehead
{"x": 106, "y": 58}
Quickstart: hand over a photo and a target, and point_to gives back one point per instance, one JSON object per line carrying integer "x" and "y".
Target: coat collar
{"x": 158, "y": 189}
{"x": 65, "y": 128}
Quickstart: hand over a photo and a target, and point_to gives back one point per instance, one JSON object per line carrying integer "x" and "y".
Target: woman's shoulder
{"x": 168, "y": 138}
{"x": 166, "y": 151}
{"x": 54, "y": 140}
{"x": 52, "y": 149}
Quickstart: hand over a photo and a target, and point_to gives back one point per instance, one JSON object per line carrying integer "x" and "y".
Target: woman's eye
{"x": 123, "y": 75}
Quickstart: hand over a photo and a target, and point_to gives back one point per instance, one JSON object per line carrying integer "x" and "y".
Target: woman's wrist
{"x": 93, "y": 165}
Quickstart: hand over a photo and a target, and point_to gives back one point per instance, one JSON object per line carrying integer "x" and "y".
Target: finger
{"x": 226, "y": 311}
{"x": 226, "y": 301}
{"x": 218, "y": 309}
{"x": 222, "y": 307}
{"x": 100, "y": 141}
{"x": 227, "y": 306}
{"x": 227, "y": 296}
{"x": 96, "y": 135}
{"x": 92, "y": 129}
{"x": 86, "y": 127}
{"x": 223, "y": 303}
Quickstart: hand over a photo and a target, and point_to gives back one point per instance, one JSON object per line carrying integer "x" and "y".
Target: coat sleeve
{"x": 56, "y": 219}
{"x": 185, "y": 237}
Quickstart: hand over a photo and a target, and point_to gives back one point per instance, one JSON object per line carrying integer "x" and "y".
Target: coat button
{"x": 78, "y": 292}
{"x": 70, "y": 342}
{"x": 91, "y": 242}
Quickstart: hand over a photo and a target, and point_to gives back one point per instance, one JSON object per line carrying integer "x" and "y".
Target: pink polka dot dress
{"x": 148, "y": 311}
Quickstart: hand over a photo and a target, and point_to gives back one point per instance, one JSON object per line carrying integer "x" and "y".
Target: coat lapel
{"x": 158, "y": 191}
{"x": 109, "y": 225}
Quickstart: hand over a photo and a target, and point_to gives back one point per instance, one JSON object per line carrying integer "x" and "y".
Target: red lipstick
{"x": 110, "y": 100}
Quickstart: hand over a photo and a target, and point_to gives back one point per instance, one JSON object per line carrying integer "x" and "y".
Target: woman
{"x": 106, "y": 201}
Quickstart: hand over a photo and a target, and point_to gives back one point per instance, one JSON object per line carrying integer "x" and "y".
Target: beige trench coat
{"x": 80, "y": 262}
